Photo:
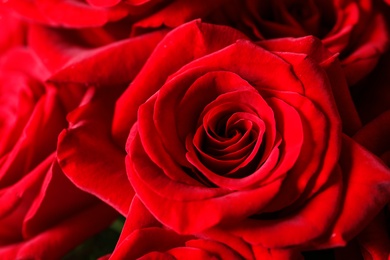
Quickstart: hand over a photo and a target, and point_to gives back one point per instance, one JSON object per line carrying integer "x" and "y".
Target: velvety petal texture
{"x": 249, "y": 138}
{"x": 356, "y": 29}
{"x": 41, "y": 211}
{"x": 88, "y": 137}
{"x": 240, "y": 129}
{"x": 143, "y": 237}
{"x": 12, "y": 30}
{"x": 142, "y": 16}
{"x": 72, "y": 13}
{"x": 82, "y": 138}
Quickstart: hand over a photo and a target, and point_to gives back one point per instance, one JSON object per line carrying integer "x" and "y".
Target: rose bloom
{"x": 230, "y": 140}
{"x": 354, "y": 28}
{"x": 42, "y": 214}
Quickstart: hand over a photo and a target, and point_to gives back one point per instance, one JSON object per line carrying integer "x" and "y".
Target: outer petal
{"x": 12, "y": 30}
{"x": 369, "y": 48}
{"x": 20, "y": 90}
{"x": 197, "y": 35}
{"x": 66, "y": 13}
{"x": 143, "y": 236}
{"x": 40, "y": 133}
{"x": 61, "y": 238}
{"x": 125, "y": 57}
{"x": 313, "y": 48}
{"x": 176, "y": 14}
{"x": 50, "y": 206}
{"x": 66, "y": 48}
{"x": 367, "y": 191}
{"x": 273, "y": 254}
{"x": 15, "y": 201}
{"x": 182, "y": 211}
{"x": 87, "y": 154}
{"x": 103, "y": 3}
{"x": 295, "y": 229}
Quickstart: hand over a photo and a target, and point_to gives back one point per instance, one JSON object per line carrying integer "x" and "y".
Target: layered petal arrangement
{"x": 41, "y": 210}
{"x": 355, "y": 29}
{"x": 235, "y": 143}
{"x": 194, "y": 130}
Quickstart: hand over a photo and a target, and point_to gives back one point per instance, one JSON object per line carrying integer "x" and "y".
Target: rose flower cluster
{"x": 242, "y": 129}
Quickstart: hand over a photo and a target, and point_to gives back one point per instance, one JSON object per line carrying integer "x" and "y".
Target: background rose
{"x": 42, "y": 214}
{"x": 68, "y": 13}
{"x": 143, "y": 16}
{"x": 355, "y": 29}
{"x": 166, "y": 149}
{"x": 12, "y": 30}
{"x": 372, "y": 95}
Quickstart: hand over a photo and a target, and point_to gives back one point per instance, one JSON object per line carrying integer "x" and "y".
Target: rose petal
{"x": 194, "y": 33}
{"x": 89, "y": 135}
{"x": 103, "y": 3}
{"x": 374, "y": 135}
{"x": 176, "y": 14}
{"x": 365, "y": 194}
{"x": 182, "y": 210}
{"x": 313, "y": 48}
{"x": 66, "y": 13}
{"x": 50, "y": 206}
{"x": 296, "y": 228}
{"x": 130, "y": 54}
{"x": 39, "y": 134}
{"x": 16, "y": 200}
{"x": 60, "y": 239}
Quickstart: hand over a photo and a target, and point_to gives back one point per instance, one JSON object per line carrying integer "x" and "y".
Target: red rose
{"x": 42, "y": 214}
{"x": 354, "y": 28}
{"x": 237, "y": 139}
{"x": 272, "y": 103}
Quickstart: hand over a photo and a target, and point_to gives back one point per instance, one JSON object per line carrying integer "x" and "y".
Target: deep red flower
{"x": 230, "y": 139}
